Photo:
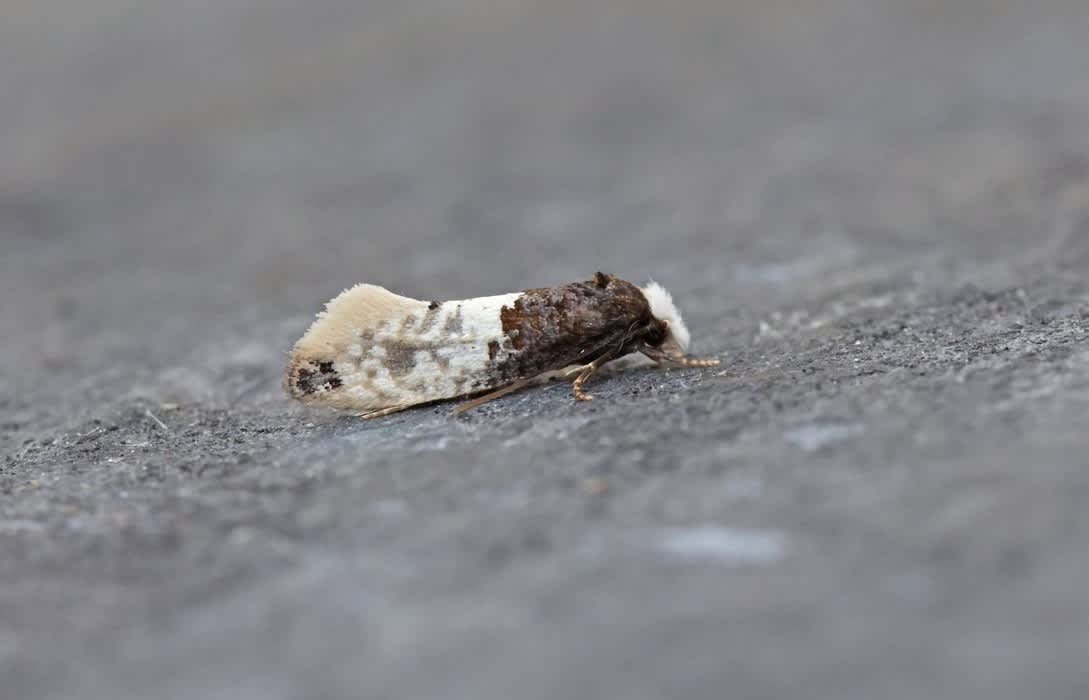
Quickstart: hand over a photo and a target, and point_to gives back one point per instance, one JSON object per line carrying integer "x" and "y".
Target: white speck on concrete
{"x": 725, "y": 545}
{"x": 814, "y": 436}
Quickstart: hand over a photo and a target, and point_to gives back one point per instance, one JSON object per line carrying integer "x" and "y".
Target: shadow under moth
{"x": 373, "y": 352}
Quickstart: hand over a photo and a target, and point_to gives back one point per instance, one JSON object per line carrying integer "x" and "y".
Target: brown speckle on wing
{"x": 553, "y": 327}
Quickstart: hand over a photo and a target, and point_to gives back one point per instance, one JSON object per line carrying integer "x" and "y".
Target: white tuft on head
{"x": 663, "y": 308}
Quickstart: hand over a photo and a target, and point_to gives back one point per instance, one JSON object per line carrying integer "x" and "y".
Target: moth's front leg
{"x": 576, "y": 386}
{"x": 585, "y": 373}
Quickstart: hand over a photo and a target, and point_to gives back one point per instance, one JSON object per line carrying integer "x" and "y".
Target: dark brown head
{"x": 661, "y": 326}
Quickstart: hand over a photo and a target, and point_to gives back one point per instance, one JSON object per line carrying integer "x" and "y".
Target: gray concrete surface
{"x": 877, "y": 214}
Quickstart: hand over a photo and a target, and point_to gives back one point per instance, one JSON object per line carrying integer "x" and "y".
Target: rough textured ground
{"x": 877, "y": 213}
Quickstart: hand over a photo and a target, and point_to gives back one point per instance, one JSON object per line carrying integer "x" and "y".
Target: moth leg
{"x": 493, "y": 395}
{"x": 576, "y": 386}
{"x": 379, "y": 412}
{"x": 585, "y": 373}
{"x": 569, "y": 375}
{"x": 658, "y": 355}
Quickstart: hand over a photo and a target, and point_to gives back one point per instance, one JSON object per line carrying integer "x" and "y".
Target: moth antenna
{"x": 698, "y": 361}
{"x": 370, "y": 415}
{"x": 658, "y": 355}
{"x": 492, "y": 395}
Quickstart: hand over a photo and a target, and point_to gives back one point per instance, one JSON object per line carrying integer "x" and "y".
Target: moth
{"x": 374, "y": 352}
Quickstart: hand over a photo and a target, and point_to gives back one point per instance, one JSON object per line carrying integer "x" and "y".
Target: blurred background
{"x": 183, "y": 184}
{"x": 171, "y": 169}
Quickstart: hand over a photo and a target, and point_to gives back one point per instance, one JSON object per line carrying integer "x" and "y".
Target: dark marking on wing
{"x": 554, "y": 327}
{"x": 442, "y": 362}
{"x": 308, "y": 377}
{"x": 400, "y": 358}
{"x": 430, "y": 318}
{"x": 453, "y": 324}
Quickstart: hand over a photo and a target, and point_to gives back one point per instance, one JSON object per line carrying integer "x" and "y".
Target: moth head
{"x": 675, "y": 338}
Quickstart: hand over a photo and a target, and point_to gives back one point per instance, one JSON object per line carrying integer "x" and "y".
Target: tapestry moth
{"x": 374, "y": 352}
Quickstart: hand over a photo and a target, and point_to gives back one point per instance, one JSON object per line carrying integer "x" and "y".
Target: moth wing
{"x": 373, "y": 350}
{"x": 353, "y": 314}
{"x": 338, "y": 338}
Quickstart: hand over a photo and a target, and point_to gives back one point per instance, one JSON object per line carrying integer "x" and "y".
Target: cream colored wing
{"x": 372, "y": 349}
